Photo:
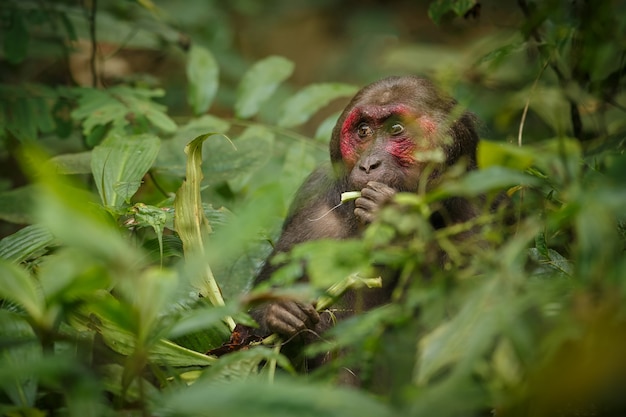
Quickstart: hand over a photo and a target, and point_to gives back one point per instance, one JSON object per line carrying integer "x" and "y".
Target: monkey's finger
{"x": 310, "y": 311}
{"x": 365, "y": 203}
{"x": 290, "y": 324}
{"x": 364, "y": 215}
{"x": 378, "y": 191}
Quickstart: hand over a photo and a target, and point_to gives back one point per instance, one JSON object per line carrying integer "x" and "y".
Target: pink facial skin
{"x": 401, "y": 147}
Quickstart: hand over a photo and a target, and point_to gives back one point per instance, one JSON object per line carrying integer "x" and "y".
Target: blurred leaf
{"x": 161, "y": 352}
{"x": 25, "y": 110}
{"x": 138, "y": 389}
{"x": 468, "y": 334}
{"x": 228, "y": 161}
{"x": 150, "y": 293}
{"x": 552, "y": 262}
{"x": 325, "y": 129}
{"x": 201, "y": 318}
{"x": 16, "y": 206}
{"x": 16, "y": 38}
{"x": 299, "y": 108}
{"x": 330, "y": 261}
{"x": 21, "y": 387}
{"x": 73, "y": 163}
{"x": 501, "y": 154}
{"x": 119, "y": 163}
{"x": 18, "y": 286}
{"x": 439, "y": 8}
{"x": 202, "y": 76}
{"x": 283, "y": 398}
{"x": 24, "y": 243}
{"x": 117, "y": 107}
{"x": 243, "y": 364}
{"x": 74, "y": 217}
{"x": 259, "y": 83}
{"x": 485, "y": 180}
{"x": 172, "y": 157}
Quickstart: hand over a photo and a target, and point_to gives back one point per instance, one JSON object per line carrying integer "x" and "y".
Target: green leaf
{"x": 282, "y": 398}
{"x": 439, "y": 8}
{"x": 504, "y": 155}
{"x": 20, "y": 387}
{"x": 75, "y": 218}
{"x": 116, "y": 107}
{"x": 171, "y": 157}
{"x": 18, "y": 286}
{"x": 98, "y": 108}
{"x": 16, "y": 205}
{"x": 259, "y": 83}
{"x": 72, "y": 163}
{"x": 484, "y": 180}
{"x": 325, "y": 129}
{"x": 202, "y": 75}
{"x": 192, "y": 225}
{"x": 162, "y": 352}
{"x": 299, "y": 108}
{"x": 22, "y": 244}
{"x": 228, "y": 161}
{"x": 200, "y": 319}
{"x": 16, "y": 39}
{"x": 119, "y": 163}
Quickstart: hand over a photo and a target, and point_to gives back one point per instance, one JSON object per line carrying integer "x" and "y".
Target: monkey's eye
{"x": 364, "y": 130}
{"x": 396, "y": 129}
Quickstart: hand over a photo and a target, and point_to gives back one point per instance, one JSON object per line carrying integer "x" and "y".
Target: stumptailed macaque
{"x": 386, "y": 141}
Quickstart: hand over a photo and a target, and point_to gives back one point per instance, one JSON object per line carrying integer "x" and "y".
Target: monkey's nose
{"x": 370, "y": 164}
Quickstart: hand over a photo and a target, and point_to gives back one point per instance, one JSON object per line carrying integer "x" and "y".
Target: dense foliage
{"x": 127, "y": 205}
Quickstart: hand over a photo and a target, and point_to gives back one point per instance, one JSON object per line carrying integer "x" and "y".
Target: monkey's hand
{"x": 288, "y": 317}
{"x": 373, "y": 197}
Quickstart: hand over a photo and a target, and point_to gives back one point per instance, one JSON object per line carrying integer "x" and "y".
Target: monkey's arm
{"x": 312, "y": 216}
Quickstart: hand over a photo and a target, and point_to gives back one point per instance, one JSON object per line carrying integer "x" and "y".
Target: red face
{"x": 380, "y": 143}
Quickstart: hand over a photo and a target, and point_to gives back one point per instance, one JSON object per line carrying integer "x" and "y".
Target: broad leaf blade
{"x": 119, "y": 163}
{"x": 18, "y": 286}
{"x": 299, "y": 108}
{"x": 202, "y": 75}
{"x": 259, "y": 83}
{"x": 192, "y": 225}
{"x": 25, "y": 242}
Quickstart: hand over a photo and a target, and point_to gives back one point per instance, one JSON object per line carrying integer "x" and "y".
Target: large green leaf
{"x": 16, "y": 37}
{"x": 501, "y": 154}
{"x": 16, "y": 205}
{"x": 119, "y": 163}
{"x": 299, "y": 108}
{"x": 202, "y": 75}
{"x": 226, "y": 160}
{"x": 161, "y": 352}
{"x": 117, "y": 106}
{"x": 73, "y": 163}
{"x": 258, "y": 84}
{"x": 18, "y": 286}
{"x": 256, "y": 397}
{"x": 172, "y": 157}
{"x": 22, "y": 244}
{"x": 20, "y": 387}
{"x": 192, "y": 225}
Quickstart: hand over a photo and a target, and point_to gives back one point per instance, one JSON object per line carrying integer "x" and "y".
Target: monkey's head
{"x": 400, "y": 131}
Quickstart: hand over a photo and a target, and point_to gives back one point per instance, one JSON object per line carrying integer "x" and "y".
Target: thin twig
{"x": 525, "y": 112}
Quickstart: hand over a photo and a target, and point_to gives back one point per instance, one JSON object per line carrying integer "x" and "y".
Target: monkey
{"x": 394, "y": 135}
